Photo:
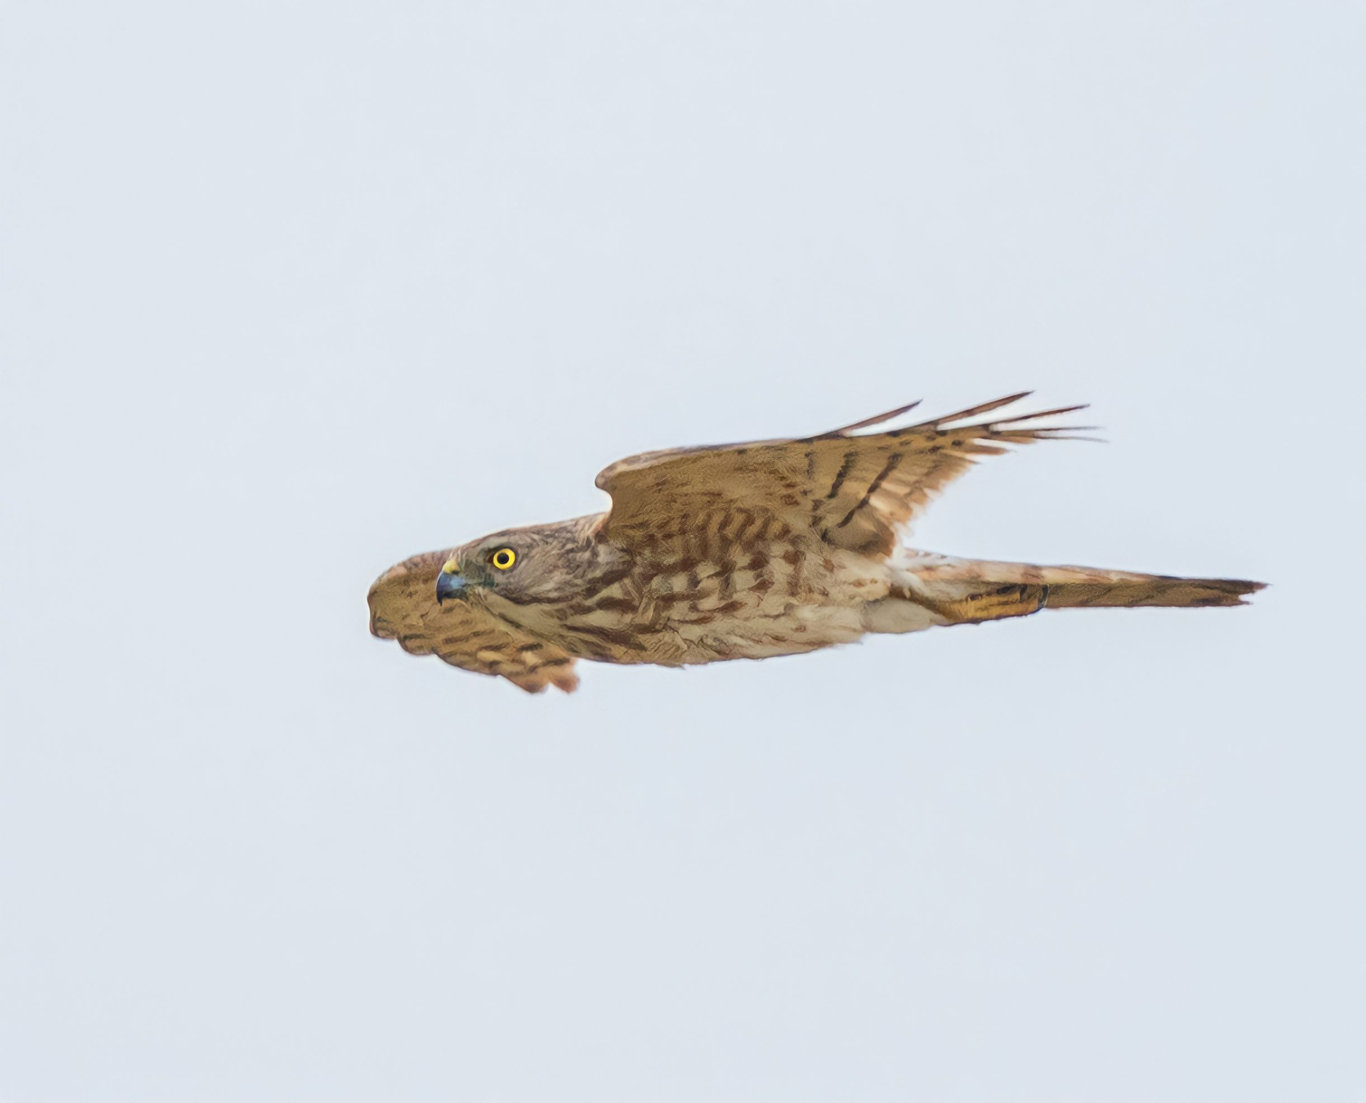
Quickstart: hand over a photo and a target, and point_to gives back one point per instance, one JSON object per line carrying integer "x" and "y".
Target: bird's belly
{"x": 804, "y": 628}
{"x": 748, "y": 613}
{"x": 683, "y": 639}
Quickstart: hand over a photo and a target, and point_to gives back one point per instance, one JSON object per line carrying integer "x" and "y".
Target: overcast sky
{"x": 292, "y": 291}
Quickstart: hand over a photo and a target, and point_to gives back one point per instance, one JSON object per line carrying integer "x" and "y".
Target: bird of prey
{"x": 745, "y": 551}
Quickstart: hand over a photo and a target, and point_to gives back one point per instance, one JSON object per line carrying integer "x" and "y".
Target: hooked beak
{"x": 449, "y": 583}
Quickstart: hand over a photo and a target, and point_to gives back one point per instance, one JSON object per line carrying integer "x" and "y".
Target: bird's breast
{"x": 686, "y": 608}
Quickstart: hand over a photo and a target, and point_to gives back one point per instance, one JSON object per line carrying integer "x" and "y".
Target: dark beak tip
{"x": 448, "y": 585}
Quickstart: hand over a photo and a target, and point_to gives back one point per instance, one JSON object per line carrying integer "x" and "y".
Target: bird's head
{"x": 523, "y": 566}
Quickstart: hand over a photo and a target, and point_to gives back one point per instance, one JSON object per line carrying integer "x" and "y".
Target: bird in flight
{"x": 745, "y": 551}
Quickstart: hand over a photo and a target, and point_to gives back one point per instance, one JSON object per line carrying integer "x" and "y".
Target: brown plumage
{"x": 744, "y": 551}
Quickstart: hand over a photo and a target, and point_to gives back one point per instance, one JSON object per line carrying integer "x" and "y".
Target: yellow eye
{"x": 503, "y": 558}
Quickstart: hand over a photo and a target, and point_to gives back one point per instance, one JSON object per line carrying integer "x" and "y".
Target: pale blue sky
{"x": 293, "y": 291}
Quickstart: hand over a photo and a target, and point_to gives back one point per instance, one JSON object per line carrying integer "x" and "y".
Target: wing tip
{"x": 868, "y": 422}
{"x": 542, "y": 678}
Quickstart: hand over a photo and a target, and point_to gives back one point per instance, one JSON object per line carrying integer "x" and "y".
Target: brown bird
{"x": 744, "y": 551}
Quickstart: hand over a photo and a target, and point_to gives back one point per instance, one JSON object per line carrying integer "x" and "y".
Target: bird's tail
{"x": 967, "y": 591}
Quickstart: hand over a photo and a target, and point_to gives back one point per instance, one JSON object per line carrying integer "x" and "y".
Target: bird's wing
{"x": 856, "y": 490}
{"x": 403, "y": 607}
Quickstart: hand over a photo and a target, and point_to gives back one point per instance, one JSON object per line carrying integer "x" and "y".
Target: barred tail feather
{"x": 965, "y": 591}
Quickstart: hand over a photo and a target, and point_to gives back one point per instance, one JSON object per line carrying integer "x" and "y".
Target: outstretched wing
{"x": 855, "y": 490}
{"x": 403, "y": 607}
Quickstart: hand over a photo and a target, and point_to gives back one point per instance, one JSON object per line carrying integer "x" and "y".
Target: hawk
{"x": 745, "y": 551}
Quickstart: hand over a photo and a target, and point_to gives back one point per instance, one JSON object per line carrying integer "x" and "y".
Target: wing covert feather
{"x": 856, "y": 490}
{"x": 403, "y": 607}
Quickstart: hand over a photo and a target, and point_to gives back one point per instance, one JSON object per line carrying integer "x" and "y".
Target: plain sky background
{"x": 293, "y": 290}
